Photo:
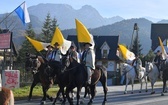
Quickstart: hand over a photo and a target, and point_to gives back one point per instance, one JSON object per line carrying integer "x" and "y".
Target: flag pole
{"x": 10, "y": 13}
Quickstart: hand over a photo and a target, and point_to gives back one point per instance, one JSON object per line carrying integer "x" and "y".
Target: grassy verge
{"x": 23, "y": 92}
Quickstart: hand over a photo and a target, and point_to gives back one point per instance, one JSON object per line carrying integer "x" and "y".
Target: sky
{"x": 107, "y": 8}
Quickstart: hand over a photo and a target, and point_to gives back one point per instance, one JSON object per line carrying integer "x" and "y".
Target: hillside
{"x": 66, "y": 15}
{"x": 125, "y": 30}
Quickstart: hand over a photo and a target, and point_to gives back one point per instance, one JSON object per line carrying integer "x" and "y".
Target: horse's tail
{"x": 11, "y": 101}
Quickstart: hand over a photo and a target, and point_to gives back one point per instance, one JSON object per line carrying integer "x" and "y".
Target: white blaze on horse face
{"x": 38, "y": 63}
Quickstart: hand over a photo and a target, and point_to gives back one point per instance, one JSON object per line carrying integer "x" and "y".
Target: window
{"x": 105, "y": 54}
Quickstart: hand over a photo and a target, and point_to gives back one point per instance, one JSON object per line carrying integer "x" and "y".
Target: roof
{"x": 158, "y": 30}
{"x": 112, "y": 41}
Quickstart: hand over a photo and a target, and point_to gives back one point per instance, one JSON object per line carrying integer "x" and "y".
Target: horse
{"x": 78, "y": 78}
{"x": 62, "y": 78}
{"x": 6, "y": 96}
{"x": 164, "y": 68}
{"x": 41, "y": 74}
{"x": 152, "y": 73}
{"x": 141, "y": 75}
{"x": 129, "y": 71}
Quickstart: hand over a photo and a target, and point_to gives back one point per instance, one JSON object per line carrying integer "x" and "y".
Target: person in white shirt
{"x": 55, "y": 59}
{"x": 88, "y": 59}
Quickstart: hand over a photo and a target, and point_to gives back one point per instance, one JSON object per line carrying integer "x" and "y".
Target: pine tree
{"x": 46, "y": 30}
{"x": 27, "y": 46}
{"x": 53, "y": 25}
{"x": 136, "y": 47}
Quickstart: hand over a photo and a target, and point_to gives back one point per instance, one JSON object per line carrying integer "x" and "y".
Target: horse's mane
{"x": 6, "y": 97}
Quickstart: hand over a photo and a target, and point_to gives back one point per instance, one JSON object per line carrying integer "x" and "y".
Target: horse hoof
{"x": 153, "y": 92}
{"x": 125, "y": 92}
{"x": 165, "y": 91}
{"x": 51, "y": 99}
{"x": 146, "y": 91}
{"x": 139, "y": 91}
{"x": 104, "y": 103}
{"x": 162, "y": 94}
{"x": 90, "y": 102}
{"x": 43, "y": 103}
{"x": 132, "y": 92}
{"x": 81, "y": 102}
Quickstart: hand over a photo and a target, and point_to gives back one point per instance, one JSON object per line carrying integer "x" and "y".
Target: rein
{"x": 70, "y": 68}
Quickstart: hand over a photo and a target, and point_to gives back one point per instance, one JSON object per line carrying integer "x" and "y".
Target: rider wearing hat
{"x": 73, "y": 54}
{"x": 88, "y": 59}
{"x": 49, "y": 52}
{"x": 55, "y": 59}
{"x": 157, "y": 61}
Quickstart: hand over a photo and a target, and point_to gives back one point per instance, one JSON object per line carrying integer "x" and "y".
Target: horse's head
{"x": 148, "y": 66}
{"x": 138, "y": 65}
{"x": 32, "y": 63}
{"x": 164, "y": 64}
{"x": 65, "y": 63}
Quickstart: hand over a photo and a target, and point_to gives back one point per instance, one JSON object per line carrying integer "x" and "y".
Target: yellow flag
{"x": 164, "y": 54}
{"x": 37, "y": 44}
{"x": 64, "y": 44}
{"x": 127, "y": 55}
{"x": 83, "y": 34}
{"x": 58, "y": 37}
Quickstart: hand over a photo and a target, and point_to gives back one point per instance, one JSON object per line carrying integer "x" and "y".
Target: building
{"x": 159, "y": 30}
{"x": 106, "y": 51}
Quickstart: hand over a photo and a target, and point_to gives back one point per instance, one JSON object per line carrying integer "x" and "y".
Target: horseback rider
{"x": 55, "y": 58}
{"x": 88, "y": 59}
{"x": 49, "y": 52}
{"x": 73, "y": 54}
{"x": 157, "y": 61}
{"x": 134, "y": 63}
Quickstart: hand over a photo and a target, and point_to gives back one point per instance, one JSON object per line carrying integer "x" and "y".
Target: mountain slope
{"x": 66, "y": 15}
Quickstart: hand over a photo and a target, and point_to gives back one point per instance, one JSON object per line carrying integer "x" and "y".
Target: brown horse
{"x": 6, "y": 96}
{"x": 78, "y": 78}
{"x": 41, "y": 74}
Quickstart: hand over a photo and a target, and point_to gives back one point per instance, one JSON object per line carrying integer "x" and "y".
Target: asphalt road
{"x": 116, "y": 96}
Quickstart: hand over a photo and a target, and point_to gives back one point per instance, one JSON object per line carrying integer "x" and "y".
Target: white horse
{"x": 153, "y": 73}
{"x": 141, "y": 76}
{"x": 130, "y": 75}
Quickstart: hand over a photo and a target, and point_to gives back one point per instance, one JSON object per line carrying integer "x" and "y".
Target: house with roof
{"x": 105, "y": 50}
{"x": 159, "y": 30}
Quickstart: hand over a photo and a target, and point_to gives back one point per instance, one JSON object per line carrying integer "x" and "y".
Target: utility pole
{"x": 135, "y": 28}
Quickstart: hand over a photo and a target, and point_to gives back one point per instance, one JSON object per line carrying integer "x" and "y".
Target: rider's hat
{"x": 87, "y": 43}
{"x": 49, "y": 46}
{"x": 56, "y": 44}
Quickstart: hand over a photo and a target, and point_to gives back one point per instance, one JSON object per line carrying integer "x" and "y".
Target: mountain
{"x": 66, "y": 15}
{"x": 163, "y": 21}
{"x": 125, "y": 30}
{"x": 89, "y": 16}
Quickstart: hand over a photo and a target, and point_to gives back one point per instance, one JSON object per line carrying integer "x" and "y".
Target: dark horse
{"x": 41, "y": 74}
{"x": 78, "y": 78}
{"x": 62, "y": 79}
{"x": 164, "y": 68}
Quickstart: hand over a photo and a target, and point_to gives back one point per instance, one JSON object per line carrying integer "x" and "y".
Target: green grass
{"x": 23, "y": 92}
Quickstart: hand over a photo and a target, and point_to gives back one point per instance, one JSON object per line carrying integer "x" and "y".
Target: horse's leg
{"x": 140, "y": 80}
{"x": 93, "y": 93}
{"x": 43, "y": 101}
{"x": 68, "y": 89}
{"x": 103, "y": 81}
{"x": 152, "y": 85}
{"x": 132, "y": 81}
{"x": 78, "y": 94}
{"x": 164, "y": 85}
{"x": 146, "y": 82}
{"x": 31, "y": 89}
{"x": 57, "y": 95}
{"x": 127, "y": 81}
